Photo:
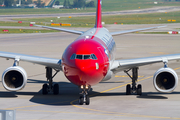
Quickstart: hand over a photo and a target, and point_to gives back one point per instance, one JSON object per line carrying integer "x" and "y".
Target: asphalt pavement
{"x": 107, "y": 99}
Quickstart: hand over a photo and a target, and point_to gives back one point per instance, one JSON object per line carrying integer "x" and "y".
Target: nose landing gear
{"x": 84, "y": 98}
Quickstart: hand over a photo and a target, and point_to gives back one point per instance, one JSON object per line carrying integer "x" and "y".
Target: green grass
{"x": 41, "y": 11}
{"x": 154, "y": 18}
{"x": 25, "y": 31}
{"x": 107, "y": 5}
{"x": 116, "y": 5}
{"x": 4, "y": 23}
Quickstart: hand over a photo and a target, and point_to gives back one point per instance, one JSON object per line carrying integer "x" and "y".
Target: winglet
{"x": 98, "y": 15}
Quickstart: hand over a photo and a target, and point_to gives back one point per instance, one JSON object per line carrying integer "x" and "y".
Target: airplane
{"x": 89, "y": 60}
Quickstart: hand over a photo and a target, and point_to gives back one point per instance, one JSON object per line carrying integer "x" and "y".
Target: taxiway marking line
{"x": 122, "y": 113}
{"x": 104, "y": 92}
{"x": 126, "y": 76}
{"x": 67, "y": 112}
{"x": 177, "y": 68}
{"x": 32, "y": 105}
{"x": 120, "y": 86}
{"x": 110, "y": 114}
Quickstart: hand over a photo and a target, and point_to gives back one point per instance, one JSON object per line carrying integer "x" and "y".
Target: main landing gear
{"x": 84, "y": 98}
{"x": 50, "y": 87}
{"x": 134, "y": 89}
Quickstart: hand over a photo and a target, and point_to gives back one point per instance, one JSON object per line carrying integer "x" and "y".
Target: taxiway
{"x": 108, "y": 99}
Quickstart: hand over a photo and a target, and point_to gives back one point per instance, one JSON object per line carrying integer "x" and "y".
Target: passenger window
{"x": 79, "y": 57}
{"x": 87, "y": 57}
{"x": 73, "y": 57}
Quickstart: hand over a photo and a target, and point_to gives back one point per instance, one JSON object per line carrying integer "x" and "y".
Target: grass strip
{"x": 7, "y": 23}
{"x": 152, "y": 18}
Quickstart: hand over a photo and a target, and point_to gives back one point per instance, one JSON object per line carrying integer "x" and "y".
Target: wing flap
{"x": 48, "y": 62}
{"x": 120, "y": 65}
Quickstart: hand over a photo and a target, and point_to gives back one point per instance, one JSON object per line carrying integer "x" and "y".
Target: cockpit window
{"x": 87, "y": 57}
{"x": 93, "y": 57}
{"x": 79, "y": 56}
{"x": 83, "y": 57}
{"x": 73, "y": 57}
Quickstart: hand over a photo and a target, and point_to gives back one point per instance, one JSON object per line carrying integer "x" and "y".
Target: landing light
{"x": 84, "y": 87}
{"x": 87, "y": 87}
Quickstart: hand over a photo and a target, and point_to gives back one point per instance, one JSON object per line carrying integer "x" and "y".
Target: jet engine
{"x": 14, "y": 78}
{"x": 165, "y": 80}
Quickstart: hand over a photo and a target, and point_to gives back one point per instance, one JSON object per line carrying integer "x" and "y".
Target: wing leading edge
{"x": 120, "y": 65}
{"x": 134, "y": 30}
{"x": 48, "y": 62}
{"x": 61, "y": 29}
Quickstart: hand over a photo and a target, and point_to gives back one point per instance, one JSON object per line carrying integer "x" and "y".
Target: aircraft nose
{"x": 83, "y": 66}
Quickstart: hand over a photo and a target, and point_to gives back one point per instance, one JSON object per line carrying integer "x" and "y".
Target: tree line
{"x": 66, "y": 4}
{"x": 78, "y": 4}
{"x": 10, "y": 3}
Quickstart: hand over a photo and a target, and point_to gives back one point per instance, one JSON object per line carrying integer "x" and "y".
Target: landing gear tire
{"x": 56, "y": 89}
{"x": 134, "y": 77}
{"x": 139, "y": 90}
{"x": 45, "y": 89}
{"x": 84, "y": 98}
{"x": 81, "y": 100}
{"x": 128, "y": 89}
{"x": 87, "y": 100}
{"x": 50, "y": 87}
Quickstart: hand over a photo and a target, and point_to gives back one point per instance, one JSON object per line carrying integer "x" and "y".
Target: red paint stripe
{"x": 97, "y": 30}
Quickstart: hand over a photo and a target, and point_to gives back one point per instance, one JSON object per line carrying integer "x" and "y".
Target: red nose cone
{"x": 85, "y": 66}
{"x": 81, "y": 65}
{"x": 83, "y": 70}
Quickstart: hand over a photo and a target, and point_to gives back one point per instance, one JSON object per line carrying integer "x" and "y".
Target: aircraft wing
{"x": 134, "y": 30}
{"x": 62, "y": 29}
{"x": 120, "y": 65}
{"x": 48, "y": 62}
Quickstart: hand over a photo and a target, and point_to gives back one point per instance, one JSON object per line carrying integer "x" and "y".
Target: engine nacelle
{"x": 165, "y": 80}
{"x": 14, "y": 78}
